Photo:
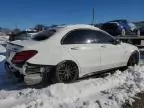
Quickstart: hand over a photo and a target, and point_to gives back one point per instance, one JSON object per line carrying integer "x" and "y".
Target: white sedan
{"x": 68, "y": 53}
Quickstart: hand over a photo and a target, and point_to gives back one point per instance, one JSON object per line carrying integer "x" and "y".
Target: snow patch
{"x": 109, "y": 92}
{"x": 2, "y": 49}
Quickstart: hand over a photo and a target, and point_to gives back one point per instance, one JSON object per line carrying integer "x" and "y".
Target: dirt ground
{"x": 139, "y": 102}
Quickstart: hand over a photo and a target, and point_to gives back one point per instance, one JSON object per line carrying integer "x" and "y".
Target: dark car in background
{"x": 22, "y": 35}
{"x": 120, "y": 27}
{"x": 113, "y": 28}
{"x": 129, "y": 27}
{"x": 142, "y": 31}
{"x": 140, "y": 26}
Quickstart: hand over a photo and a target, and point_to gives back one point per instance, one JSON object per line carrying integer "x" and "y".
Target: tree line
{"x": 37, "y": 27}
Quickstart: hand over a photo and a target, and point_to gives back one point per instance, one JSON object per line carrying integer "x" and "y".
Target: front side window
{"x": 79, "y": 37}
{"x": 87, "y": 37}
{"x": 104, "y": 38}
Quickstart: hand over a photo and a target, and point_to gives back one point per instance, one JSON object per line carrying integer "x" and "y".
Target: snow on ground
{"x": 109, "y": 92}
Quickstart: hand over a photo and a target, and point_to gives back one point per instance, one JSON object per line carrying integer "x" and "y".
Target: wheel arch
{"x": 71, "y": 61}
{"x": 134, "y": 53}
{"x": 56, "y": 75}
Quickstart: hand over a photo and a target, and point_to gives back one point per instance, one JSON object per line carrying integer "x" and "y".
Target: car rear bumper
{"x": 33, "y": 79}
{"x": 31, "y": 75}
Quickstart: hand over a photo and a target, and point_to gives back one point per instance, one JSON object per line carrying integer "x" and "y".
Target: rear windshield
{"x": 44, "y": 35}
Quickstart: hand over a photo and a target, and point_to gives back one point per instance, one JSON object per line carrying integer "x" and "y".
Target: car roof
{"x": 77, "y": 26}
{"x": 62, "y": 30}
{"x": 111, "y": 23}
{"x": 119, "y": 20}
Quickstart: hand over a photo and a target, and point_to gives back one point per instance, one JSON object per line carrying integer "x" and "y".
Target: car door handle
{"x": 103, "y": 46}
{"x": 75, "y": 48}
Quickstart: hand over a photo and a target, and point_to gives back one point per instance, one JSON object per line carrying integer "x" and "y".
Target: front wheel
{"x": 138, "y": 33}
{"x": 133, "y": 60}
{"x": 66, "y": 72}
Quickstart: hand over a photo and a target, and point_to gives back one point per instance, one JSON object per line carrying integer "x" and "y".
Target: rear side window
{"x": 103, "y": 38}
{"x": 87, "y": 37}
{"x": 79, "y": 37}
{"x": 44, "y": 35}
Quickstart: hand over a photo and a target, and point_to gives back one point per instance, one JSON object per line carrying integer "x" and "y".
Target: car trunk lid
{"x": 17, "y": 46}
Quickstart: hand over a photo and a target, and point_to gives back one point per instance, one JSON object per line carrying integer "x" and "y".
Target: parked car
{"x": 113, "y": 28}
{"x": 99, "y": 25}
{"x": 140, "y": 26}
{"x": 129, "y": 27}
{"x": 3, "y": 40}
{"x": 142, "y": 31}
{"x": 68, "y": 53}
{"x": 22, "y": 35}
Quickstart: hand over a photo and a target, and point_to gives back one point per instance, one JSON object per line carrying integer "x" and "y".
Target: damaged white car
{"x": 67, "y": 53}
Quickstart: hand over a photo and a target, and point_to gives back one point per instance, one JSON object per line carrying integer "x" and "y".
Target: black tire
{"x": 138, "y": 32}
{"x": 133, "y": 60}
{"x": 123, "y": 32}
{"x": 66, "y": 72}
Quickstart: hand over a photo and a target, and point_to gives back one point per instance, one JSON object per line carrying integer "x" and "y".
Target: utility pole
{"x": 93, "y": 16}
{"x": 16, "y": 26}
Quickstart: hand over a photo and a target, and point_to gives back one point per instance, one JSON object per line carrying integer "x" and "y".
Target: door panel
{"x": 87, "y": 55}
{"x": 111, "y": 56}
{"x": 80, "y": 43}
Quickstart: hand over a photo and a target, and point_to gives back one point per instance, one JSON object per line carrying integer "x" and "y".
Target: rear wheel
{"x": 66, "y": 72}
{"x": 123, "y": 32}
{"x": 138, "y": 32}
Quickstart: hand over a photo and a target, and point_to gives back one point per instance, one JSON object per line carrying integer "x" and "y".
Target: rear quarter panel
{"x": 51, "y": 56}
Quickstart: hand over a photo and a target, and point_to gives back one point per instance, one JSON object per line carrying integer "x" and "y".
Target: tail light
{"x": 23, "y": 56}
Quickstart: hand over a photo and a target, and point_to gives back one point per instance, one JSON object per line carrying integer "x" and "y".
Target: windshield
{"x": 44, "y": 35}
